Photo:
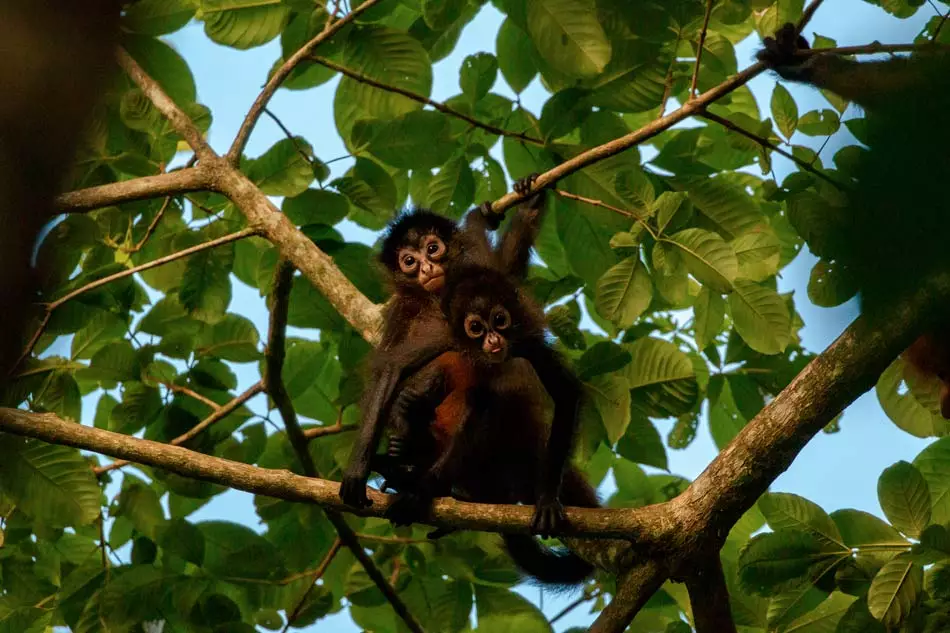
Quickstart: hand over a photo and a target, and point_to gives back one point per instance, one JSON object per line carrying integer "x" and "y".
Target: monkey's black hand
{"x": 781, "y": 53}
{"x": 548, "y": 516}
{"x": 408, "y": 508}
{"x": 492, "y": 219}
{"x": 353, "y": 489}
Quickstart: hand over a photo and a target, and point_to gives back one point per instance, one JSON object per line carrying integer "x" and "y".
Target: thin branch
{"x": 179, "y": 120}
{"x": 587, "y": 596}
{"x": 334, "y": 548}
{"x": 441, "y": 107}
{"x": 219, "y": 414}
{"x": 940, "y": 26}
{"x": 289, "y": 135}
{"x": 31, "y": 344}
{"x": 604, "y": 205}
{"x": 709, "y": 597}
{"x": 668, "y": 82}
{"x": 333, "y": 429}
{"x": 274, "y": 384}
{"x": 173, "y": 183}
{"x": 699, "y": 49}
{"x": 807, "y": 14}
{"x": 726, "y": 123}
{"x": 191, "y": 393}
{"x": 397, "y": 540}
{"x": 244, "y": 133}
{"x": 634, "y": 589}
{"x": 151, "y": 227}
{"x": 874, "y": 48}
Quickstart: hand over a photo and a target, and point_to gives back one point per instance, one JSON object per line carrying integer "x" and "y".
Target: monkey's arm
{"x": 391, "y": 366}
{"x": 871, "y": 84}
{"x": 565, "y": 390}
{"x": 516, "y": 243}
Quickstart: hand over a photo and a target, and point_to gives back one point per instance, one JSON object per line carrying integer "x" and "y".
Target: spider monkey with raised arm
{"x": 418, "y": 250}
{"x": 895, "y": 227}
{"x": 476, "y": 415}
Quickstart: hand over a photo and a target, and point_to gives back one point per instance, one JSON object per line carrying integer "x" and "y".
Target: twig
{"x": 726, "y": 123}
{"x": 586, "y": 597}
{"x": 173, "y": 183}
{"x": 398, "y": 540}
{"x": 604, "y": 205}
{"x": 441, "y": 107}
{"x": 50, "y": 307}
{"x": 219, "y": 414}
{"x": 334, "y": 548}
{"x": 333, "y": 429}
{"x": 288, "y": 134}
{"x": 807, "y": 14}
{"x": 274, "y": 384}
{"x": 179, "y": 120}
{"x": 668, "y": 83}
{"x": 873, "y": 49}
{"x": 699, "y": 50}
{"x": 940, "y": 26}
{"x": 244, "y": 133}
{"x": 151, "y": 227}
{"x": 192, "y": 394}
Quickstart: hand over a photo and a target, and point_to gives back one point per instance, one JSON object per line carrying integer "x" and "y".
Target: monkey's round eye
{"x": 407, "y": 263}
{"x": 501, "y": 319}
{"x": 474, "y": 326}
{"x": 435, "y": 248}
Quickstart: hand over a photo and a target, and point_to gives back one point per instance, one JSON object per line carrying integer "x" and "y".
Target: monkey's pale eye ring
{"x": 434, "y": 248}
{"x": 408, "y": 263}
{"x": 474, "y": 326}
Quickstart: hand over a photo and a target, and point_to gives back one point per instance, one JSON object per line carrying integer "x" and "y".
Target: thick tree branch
{"x": 634, "y": 589}
{"x": 170, "y": 184}
{"x": 274, "y": 384}
{"x": 641, "y": 523}
{"x": 709, "y": 597}
{"x": 441, "y": 107}
{"x": 244, "y": 133}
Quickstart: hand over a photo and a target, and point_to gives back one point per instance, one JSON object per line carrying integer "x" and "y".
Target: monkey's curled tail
{"x": 545, "y": 564}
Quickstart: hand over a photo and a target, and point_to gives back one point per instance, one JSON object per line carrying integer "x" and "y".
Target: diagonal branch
{"x": 170, "y": 184}
{"x": 441, "y": 107}
{"x": 244, "y": 133}
{"x": 699, "y": 49}
{"x": 709, "y": 597}
{"x": 98, "y": 283}
{"x": 219, "y": 413}
{"x": 293, "y": 615}
{"x": 179, "y": 120}
{"x": 806, "y": 166}
{"x": 274, "y": 384}
{"x": 634, "y": 589}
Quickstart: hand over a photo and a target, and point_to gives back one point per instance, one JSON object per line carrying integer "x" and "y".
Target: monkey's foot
{"x": 408, "y": 508}
{"x": 523, "y": 186}
{"x": 353, "y": 491}
{"x": 548, "y": 517}
{"x": 492, "y": 219}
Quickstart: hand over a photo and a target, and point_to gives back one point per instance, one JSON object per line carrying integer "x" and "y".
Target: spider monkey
{"x": 901, "y": 179}
{"x": 476, "y": 415}
{"x": 419, "y": 249}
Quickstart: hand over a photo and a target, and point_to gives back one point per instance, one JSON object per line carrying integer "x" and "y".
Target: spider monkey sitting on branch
{"x": 476, "y": 417}
{"x": 419, "y": 250}
{"x": 895, "y": 227}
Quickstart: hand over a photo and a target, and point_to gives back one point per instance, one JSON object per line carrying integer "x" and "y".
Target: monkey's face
{"x": 487, "y": 331}
{"x": 421, "y": 260}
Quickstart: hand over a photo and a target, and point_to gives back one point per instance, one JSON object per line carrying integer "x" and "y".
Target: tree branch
{"x": 173, "y": 183}
{"x": 179, "y": 120}
{"x": 244, "y": 133}
{"x": 274, "y": 384}
{"x": 292, "y": 617}
{"x": 441, "y": 107}
{"x": 699, "y": 49}
{"x": 634, "y": 589}
{"x": 709, "y": 597}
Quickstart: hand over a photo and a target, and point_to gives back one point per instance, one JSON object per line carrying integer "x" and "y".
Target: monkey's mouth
{"x": 433, "y": 284}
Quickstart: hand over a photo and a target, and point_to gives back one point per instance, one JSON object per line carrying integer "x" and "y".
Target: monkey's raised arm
{"x": 516, "y": 243}
{"x": 565, "y": 390}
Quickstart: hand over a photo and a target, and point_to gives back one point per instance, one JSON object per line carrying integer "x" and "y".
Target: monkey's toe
{"x": 523, "y": 186}
{"x": 548, "y": 518}
{"x": 407, "y": 508}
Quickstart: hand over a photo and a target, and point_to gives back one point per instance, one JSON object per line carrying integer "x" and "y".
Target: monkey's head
{"x": 417, "y": 249}
{"x": 486, "y": 313}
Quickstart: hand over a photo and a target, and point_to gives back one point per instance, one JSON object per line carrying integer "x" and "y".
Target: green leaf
{"x": 902, "y": 407}
{"x": 452, "y": 190}
{"x": 440, "y": 14}
{"x": 709, "y": 311}
{"x": 420, "y": 139}
{"x": 774, "y": 563}
{"x": 826, "y": 616}
{"x": 669, "y": 206}
{"x": 905, "y": 498}
{"x": 60, "y": 395}
{"x": 236, "y": 550}
{"x": 164, "y": 65}
{"x": 51, "y": 483}
{"x": 895, "y": 591}
{"x": 708, "y": 257}
{"x": 641, "y": 443}
{"x": 134, "y": 595}
{"x": 515, "y": 56}
{"x": 568, "y": 36}
{"x": 243, "y": 24}
{"x": 760, "y": 316}
{"x": 185, "y": 540}
{"x": 477, "y": 75}
{"x": 602, "y": 358}
{"x": 759, "y": 254}
{"x": 105, "y": 327}
{"x": 819, "y": 123}
{"x": 624, "y": 292}
{"x": 784, "y": 111}
{"x": 140, "y": 405}
{"x": 315, "y": 206}
{"x": 830, "y": 284}
{"x": 727, "y": 205}
{"x": 932, "y": 464}
{"x": 205, "y": 290}
{"x": 140, "y": 505}
{"x": 233, "y": 338}
{"x": 369, "y": 187}
{"x": 563, "y": 321}
{"x": 610, "y": 396}
{"x": 282, "y": 170}
{"x": 784, "y": 510}
{"x": 157, "y": 17}
{"x": 860, "y": 529}
{"x": 662, "y": 379}
{"x": 503, "y": 611}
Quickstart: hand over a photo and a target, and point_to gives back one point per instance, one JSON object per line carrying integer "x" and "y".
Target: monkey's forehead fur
{"x": 478, "y": 288}
{"x": 410, "y": 227}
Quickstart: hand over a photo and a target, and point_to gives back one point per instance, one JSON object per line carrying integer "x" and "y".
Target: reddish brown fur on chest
{"x": 459, "y": 378}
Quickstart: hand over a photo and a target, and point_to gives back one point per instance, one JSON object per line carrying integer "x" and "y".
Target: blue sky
{"x": 835, "y": 471}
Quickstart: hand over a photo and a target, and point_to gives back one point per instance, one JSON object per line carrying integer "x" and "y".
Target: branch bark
{"x": 634, "y": 589}
{"x": 170, "y": 184}
{"x": 709, "y": 598}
